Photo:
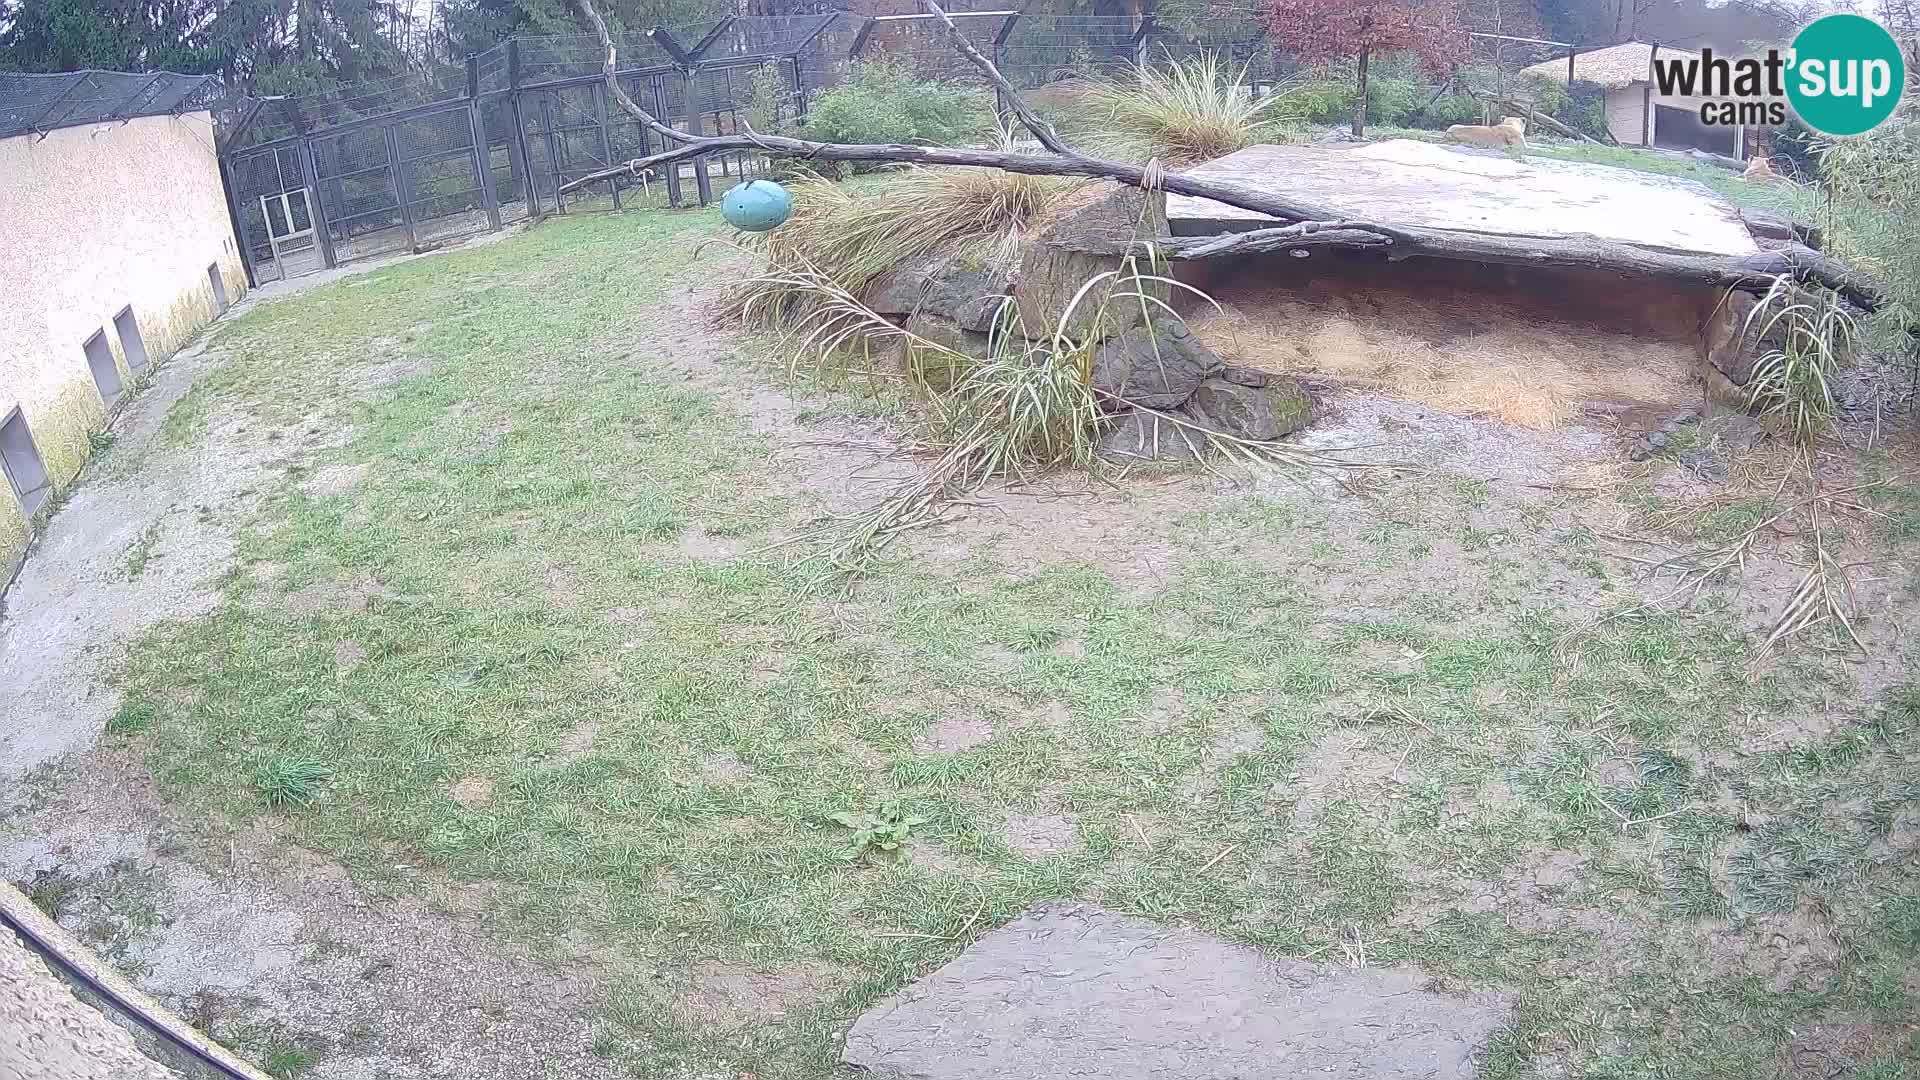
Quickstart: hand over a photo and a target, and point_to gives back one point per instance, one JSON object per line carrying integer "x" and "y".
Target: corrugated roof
{"x": 1613, "y": 67}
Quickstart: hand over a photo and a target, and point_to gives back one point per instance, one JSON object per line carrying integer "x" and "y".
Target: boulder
{"x": 1251, "y": 412}
{"x": 900, "y": 290}
{"x": 965, "y": 290}
{"x": 1157, "y": 367}
{"x": 1245, "y": 376}
{"x": 939, "y": 369}
{"x": 1059, "y": 258}
{"x": 1143, "y": 435}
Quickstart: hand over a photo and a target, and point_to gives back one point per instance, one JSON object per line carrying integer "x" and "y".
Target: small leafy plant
{"x": 879, "y": 832}
{"x": 287, "y": 781}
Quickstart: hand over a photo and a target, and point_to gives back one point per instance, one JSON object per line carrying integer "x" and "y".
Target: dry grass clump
{"x": 1510, "y": 365}
{"x": 851, "y": 234}
{"x": 1183, "y": 112}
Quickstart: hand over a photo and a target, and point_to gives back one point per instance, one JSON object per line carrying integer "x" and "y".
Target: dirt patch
{"x": 348, "y": 655}
{"x": 325, "y": 597}
{"x": 1204, "y": 779}
{"x": 575, "y": 744}
{"x": 1839, "y": 1045}
{"x": 729, "y": 996}
{"x": 335, "y": 480}
{"x": 472, "y": 792}
{"x": 954, "y": 732}
{"x": 725, "y": 768}
{"x": 700, "y": 544}
{"x": 367, "y": 380}
{"x": 1339, "y": 764}
{"x": 1039, "y": 835}
{"x": 1105, "y": 995}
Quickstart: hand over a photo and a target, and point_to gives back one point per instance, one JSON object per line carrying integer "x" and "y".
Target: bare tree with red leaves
{"x": 1338, "y": 29}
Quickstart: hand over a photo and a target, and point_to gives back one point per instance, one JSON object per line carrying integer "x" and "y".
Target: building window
{"x": 20, "y": 460}
{"x": 219, "y": 287}
{"x": 106, "y": 373}
{"x": 132, "y": 345}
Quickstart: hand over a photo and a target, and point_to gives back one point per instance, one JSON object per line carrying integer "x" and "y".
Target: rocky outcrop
{"x": 1165, "y": 369}
{"x": 1156, "y": 367}
{"x": 1280, "y": 407}
{"x": 952, "y": 286}
{"x": 1060, "y": 257}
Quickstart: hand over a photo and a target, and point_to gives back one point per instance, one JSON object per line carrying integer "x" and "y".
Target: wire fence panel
{"x": 43, "y": 103}
{"x": 358, "y": 195}
{"x": 423, "y": 157}
{"x": 443, "y": 190}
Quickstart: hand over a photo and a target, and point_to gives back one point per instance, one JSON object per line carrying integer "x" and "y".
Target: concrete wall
{"x": 93, "y": 219}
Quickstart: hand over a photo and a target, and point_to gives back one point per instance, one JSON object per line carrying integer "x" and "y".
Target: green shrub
{"x": 1873, "y": 218}
{"x": 881, "y": 102}
{"x": 1323, "y": 100}
{"x": 1181, "y": 112}
{"x": 768, "y": 100}
{"x": 1448, "y": 110}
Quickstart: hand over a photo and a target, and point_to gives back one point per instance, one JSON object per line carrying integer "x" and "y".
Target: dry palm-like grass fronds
{"x": 1183, "y": 112}
{"x": 852, "y": 234}
{"x": 1028, "y": 408}
{"x": 1793, "y": 382}
{"x": 1824, "y": 594}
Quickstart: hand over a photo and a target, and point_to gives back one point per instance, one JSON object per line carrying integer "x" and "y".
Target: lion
{"x": 1760, "y": 171}
{"x": 1511, "y": 131}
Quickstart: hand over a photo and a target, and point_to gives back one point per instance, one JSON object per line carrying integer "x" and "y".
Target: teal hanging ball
{"x": 756, "y": 205}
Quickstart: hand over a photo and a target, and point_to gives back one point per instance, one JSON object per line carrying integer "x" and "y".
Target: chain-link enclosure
{"x": 413, "y": 162}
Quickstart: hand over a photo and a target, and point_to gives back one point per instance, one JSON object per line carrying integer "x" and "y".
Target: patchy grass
{"x": 1320, "y": 723}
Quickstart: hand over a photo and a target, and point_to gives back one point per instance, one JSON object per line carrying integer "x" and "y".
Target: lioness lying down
{"x": 1511, "y": 131}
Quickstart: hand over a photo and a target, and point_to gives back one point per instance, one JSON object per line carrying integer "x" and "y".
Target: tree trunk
{"x": 1360, "y": 106}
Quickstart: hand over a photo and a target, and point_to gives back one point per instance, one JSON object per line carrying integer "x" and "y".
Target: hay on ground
{"x": 1522, "y": 348}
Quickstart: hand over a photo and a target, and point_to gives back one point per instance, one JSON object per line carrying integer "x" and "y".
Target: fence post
{"x": 239, "y": 223}
{"x": 517, "y": 149}
{"x": 660, "y": 110}
{"x": 322, "y": 231}
{"x": 402, "y": 185}
{"x": 606, "y": 139}
{"x": 701, "y": 180}
{"x": 799, "y": 89}
{"x": 317, "y": 216}
{"x": 482, "y": 149}
{"x": 1001, "y": 106}
{"x": 553, "y": 150}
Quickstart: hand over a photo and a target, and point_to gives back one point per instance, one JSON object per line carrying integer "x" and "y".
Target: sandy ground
{"x": 47, "y": 1034}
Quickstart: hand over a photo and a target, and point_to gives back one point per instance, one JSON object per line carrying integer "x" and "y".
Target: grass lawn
{"x": 519, "y": 633}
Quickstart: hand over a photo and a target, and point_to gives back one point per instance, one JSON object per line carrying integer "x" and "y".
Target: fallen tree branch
{"x": 1302, "y": 225}
{"x": 1535, "y": 116}
{"x": 1750, "y": 272}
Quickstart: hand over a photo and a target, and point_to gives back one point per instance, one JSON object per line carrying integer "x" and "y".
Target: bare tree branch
{"x": 1029, "y": 119}
{"x": 620, "y": 96}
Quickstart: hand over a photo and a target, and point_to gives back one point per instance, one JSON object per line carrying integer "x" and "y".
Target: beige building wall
{"x": 94, "y": 219}
{"x": 1625, "y": 107}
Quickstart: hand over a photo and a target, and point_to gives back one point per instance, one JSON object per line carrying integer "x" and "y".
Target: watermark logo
{"x": 1844, "y": 75}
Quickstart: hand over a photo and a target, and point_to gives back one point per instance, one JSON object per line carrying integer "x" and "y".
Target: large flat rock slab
{"x": 1070, "y": 990}
{"x": 1405, "y": 182}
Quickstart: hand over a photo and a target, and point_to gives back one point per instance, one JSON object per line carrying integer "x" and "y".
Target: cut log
{"x": 1754, "y": 273}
